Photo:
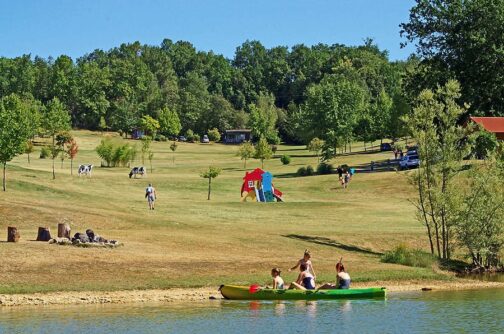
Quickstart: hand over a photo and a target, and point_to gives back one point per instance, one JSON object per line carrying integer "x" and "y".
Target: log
{"x": 44, "y": 234}
{"x": 64, "y": 231}
{"x": 12, "y": 234}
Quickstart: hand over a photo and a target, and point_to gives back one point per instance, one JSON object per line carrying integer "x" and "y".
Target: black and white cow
{"x": 85, "y": 169}
{"x": 138, "y": 171}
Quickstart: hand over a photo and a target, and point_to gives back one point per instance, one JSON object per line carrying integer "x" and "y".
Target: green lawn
{"x": 189, "y": 241}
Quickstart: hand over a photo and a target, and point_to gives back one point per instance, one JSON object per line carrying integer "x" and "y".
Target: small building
{"x": 237, "y": 136}
{"x": 491, "y": 124}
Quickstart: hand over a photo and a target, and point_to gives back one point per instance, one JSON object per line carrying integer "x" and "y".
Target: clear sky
{"x": 75, "y": 27}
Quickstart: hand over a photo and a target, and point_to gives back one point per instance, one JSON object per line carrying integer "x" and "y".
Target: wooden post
{"x": 44, "y": 234}
{"x": 12, "y": 234}
{"x": 64, "y": 230}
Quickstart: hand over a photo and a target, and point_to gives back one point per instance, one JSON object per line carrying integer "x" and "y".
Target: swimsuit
{"x": 309, "y": 283}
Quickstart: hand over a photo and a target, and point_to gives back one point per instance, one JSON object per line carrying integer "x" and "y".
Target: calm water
{"x": 478, "y": 311}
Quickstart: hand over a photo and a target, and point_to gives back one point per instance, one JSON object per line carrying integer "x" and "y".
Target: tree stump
{"x": 44, "y": 234}
{"x": 64, "y": 231}
{"x": 12, "y": 234}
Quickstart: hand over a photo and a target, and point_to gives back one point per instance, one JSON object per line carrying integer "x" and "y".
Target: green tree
{"x": 149, "y": 125}
{"x": 55, "y": 120}
{"x": 480, "y": 224}
{"x": 29, "y": 148}
{"x": 245, "y": 152}
{"x": 210, "y": 174}
{"x": 169, "y": 122}
{"x": 15, "y": 125}
{"x": 146, "y": 143}
{"x": 62, "y": 139}
{"x": 263, "y": 151}
{"x": 460, "y": 40}
{"x": 263, "y": 118}
{"x": 441, "y": 148}
{"x": 102, "y": 125}
{"x": 315, "y": 145}
{"x": 214, "y": 135}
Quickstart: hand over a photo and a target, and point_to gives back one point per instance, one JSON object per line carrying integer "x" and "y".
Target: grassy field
{"x": 189, "y": 241}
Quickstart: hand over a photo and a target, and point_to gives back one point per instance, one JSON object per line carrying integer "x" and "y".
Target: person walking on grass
{"x": 150, "y": 194}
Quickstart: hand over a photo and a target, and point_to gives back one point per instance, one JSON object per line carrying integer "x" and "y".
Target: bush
{"x": 161, "y": 138}
{"x": 301, "y": 171}
{"x": 274, "y": 149}
{"x": 285, "y": 159}
{"x": 196, "y": 138}
{"x": 484, "y": 145}
{"x": 324, "y": 168}
{"x": 214, "y": 135}
{"x": 409, "y": 257}
{"x": 189, "y": 135}
{"x": 45, "y": 152}
{"x": 309, "y": 171}
{"x": 115, "y": 153}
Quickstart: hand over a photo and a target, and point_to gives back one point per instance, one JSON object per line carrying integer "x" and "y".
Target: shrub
{"x": 115, "y": 153}
{"x": 214, "y": 135}
{"x": 301, "y": 171}
{"x": 324, "y": 168}
{"x": 45, "y": 152}
{"x": 274, "y": 149}
{"x": 309, "y": 171}
{"x": 196, "y": 138}
{"x": 285, "y": 159}
{"x": 189, "y": 135}
{"x": 409, "y": 257}
{"x": 161, "y": 138}
{"x": 485, "y": 144}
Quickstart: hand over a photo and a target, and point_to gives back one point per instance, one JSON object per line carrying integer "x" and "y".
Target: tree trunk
{"x": 44, "y": 234}
{"x": 245, "y": 164}
{"x": 53, "y": 157}
{"x": 12, "y": 234}
{"x": 350, "y": 145}
{"x": 28, "y": 158}
{"x": 262, "y": 163}
{"x": 365, "y": 149}
{"x": 64, "y": 230}
{"x": 209, "y": 186}
{"x": 4, "y": 174}
{"x": 71, "y": 166}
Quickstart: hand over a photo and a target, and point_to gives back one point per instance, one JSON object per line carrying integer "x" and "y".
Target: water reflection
{"x": 465, "y": 311}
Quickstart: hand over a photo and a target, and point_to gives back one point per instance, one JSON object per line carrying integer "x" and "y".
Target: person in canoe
{"x": 278, "y": 282}
{"x": 306, "y": 260}
{"x": 342, "y": 279}
{"x": 305, "y": 280}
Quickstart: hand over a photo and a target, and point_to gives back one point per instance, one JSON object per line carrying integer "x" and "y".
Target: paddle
{"x": 254, "y": 288}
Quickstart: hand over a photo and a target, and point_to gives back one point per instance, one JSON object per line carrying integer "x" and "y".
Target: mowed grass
{"x": 189, "y": 241}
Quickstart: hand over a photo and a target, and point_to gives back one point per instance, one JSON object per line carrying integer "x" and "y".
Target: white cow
{"x": 85, "y": 169}
{"x": 138, "y": 171}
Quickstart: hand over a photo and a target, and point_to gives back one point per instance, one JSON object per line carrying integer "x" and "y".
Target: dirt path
{"x": 201, "y": 294}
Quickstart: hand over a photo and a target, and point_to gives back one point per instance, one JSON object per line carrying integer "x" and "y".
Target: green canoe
{"x": 242, "y": 293}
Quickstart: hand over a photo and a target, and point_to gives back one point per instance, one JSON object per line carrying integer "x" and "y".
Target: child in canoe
{"x": 278, "y": 282}
{"x": 306, "y": 260}
{"x": 305, "y": 280}
{"x": 342, "y": 279}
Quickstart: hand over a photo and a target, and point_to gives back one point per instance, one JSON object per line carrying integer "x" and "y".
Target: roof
{"x": 238, "y": 131}
{"x": 491, "y": 124}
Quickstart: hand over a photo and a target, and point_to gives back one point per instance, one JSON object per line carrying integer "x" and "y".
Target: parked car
{"x": 385, "y": 147}
{"x": 409, "y": 161}
{"x": 182, "y": 138}
{"x": 205, "y": 139}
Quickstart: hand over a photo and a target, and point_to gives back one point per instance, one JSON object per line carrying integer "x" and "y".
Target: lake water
{"x": 476, "y": 311}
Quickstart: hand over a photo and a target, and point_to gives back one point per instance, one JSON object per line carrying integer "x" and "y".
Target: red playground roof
{"x": 491, "y": 124}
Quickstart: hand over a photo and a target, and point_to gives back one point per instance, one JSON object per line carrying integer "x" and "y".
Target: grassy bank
{"x": 189, "y": 241}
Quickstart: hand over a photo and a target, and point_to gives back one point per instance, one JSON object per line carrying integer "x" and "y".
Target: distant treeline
{"x": 115, "y": 88}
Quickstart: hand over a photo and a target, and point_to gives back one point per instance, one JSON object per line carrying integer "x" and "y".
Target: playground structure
{"x": 258, "y": 186}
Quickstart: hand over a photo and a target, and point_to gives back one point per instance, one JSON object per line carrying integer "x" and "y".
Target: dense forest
{"x": 271, "y": 90}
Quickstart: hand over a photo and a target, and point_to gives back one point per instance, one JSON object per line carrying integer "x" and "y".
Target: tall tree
{"x": 263, "y": 118}
{"x": 169, "y": 122}
{"x": 15, "y": 125}
{"x": 55, "y": 119}
{"x": 461, "y": 40}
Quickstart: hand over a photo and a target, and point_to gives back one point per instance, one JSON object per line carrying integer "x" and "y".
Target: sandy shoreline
{"x": 206, "y": 293}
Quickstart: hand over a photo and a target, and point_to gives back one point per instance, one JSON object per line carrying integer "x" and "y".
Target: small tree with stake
{"x": 173, "y": 148}
{"x": 245, "y": 152}
{"x": 263, "y": 151}
{"x": 62, "y": 139}
{"x": 29, "y": 149}
{"x": 210, "y": 174}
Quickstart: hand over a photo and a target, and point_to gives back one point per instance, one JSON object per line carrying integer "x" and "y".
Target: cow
{"x": 85, "y": 169}
{"x": 138, "y": 171}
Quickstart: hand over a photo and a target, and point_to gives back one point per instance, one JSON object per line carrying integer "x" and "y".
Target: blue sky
{"x": 75, "y": 27}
